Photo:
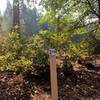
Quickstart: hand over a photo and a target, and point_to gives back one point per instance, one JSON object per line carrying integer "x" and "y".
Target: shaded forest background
{"x": 28, "y": 18}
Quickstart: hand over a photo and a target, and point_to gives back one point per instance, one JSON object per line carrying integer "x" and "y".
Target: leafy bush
{"x": 11, "y": 57}
{"x": 40, "y": 62}
{"x": 20, "y": 52}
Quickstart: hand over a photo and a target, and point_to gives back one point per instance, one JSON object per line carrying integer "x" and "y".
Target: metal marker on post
{"x": 53, "y": 74}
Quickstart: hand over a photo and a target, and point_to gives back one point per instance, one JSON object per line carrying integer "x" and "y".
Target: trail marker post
{"x": 53, "y": 74}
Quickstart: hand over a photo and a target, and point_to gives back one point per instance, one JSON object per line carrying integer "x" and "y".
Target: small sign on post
{"x": 53, "y": 74}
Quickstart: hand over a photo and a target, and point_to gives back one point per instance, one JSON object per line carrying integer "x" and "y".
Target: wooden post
{"x": 53, "y": 75}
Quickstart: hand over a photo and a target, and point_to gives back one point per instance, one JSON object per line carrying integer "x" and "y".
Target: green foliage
{"x": 47, "y": 40}
{"x": 12, "y": 53}
{"x": 19, "y": 52}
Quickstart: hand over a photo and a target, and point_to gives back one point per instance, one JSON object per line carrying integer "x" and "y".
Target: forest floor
{"x": 84, "y": 86}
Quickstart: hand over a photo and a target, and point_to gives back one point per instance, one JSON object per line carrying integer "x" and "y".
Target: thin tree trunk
{"x": 16, "y": 16}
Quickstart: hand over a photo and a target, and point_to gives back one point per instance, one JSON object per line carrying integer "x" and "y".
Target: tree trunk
{"x": 16, "y": 16}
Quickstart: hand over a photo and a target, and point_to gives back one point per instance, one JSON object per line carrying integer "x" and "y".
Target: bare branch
{"x": 92, "y": 9}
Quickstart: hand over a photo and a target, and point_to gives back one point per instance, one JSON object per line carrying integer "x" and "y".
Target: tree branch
{"x": 89, "y": 3}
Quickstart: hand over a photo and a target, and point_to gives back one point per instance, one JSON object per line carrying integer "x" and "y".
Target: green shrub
{"x": 20, "y": 52}
{"x": 40, "y": 62}
{"x": 12, "y": 56}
